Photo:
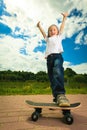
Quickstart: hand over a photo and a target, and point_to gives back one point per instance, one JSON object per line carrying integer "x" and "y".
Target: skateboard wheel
{"x": 35, "y": 116}
{"x": 68, "y": 119}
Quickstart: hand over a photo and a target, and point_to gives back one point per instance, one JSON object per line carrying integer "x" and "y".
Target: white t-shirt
{"x": 54, "y": 45}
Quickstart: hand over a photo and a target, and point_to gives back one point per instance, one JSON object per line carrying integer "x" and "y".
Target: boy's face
{"x": 53, "y": 30}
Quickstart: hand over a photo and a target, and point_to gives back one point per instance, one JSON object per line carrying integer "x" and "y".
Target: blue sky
{"x": 22, "y": 47}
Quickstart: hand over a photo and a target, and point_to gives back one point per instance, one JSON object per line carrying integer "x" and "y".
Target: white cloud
{"x": 10, "y": 58}
{"x": 29, "y": 12}
{"x": 66, "y": 64}
{"x": 85, "y": 39}
{"x": 76, "y": 48}
{"x": 79, "y": 38}
{"x": 79, "y": 69}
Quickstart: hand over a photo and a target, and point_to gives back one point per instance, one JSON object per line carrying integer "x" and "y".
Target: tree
{"x": 42, "y": 76}
{"x": 69, "y": 72}
{"x": 80, "y": 78}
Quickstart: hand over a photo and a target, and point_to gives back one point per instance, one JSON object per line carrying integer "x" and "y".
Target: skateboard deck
{"x": 51, "y": 105}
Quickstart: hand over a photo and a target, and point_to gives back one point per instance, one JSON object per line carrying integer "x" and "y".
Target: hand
{"x": 38, "y": 24}
{"x": 65, "y": 14}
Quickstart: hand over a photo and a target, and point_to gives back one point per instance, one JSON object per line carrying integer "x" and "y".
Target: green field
{"x": 34, "y": 87}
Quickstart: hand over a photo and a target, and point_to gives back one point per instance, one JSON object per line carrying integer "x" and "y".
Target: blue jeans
{"x": 56, "y": 73}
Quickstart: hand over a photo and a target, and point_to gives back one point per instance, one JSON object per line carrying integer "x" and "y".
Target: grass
{"x": 76, "y": 88}
{"x": 24, "y": 88}
{"x": 76, "y": 91}
{"x": 34, "y": 87}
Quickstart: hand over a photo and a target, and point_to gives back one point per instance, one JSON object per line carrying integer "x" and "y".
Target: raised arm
{"x": 41, "y": 29}
{"x": 63, "y": 22}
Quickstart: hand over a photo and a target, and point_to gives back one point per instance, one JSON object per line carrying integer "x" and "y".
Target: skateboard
{"x": 38, "y": 106}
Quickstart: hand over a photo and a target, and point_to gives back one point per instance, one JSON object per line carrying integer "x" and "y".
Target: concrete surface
{"x": 15, "y": 114}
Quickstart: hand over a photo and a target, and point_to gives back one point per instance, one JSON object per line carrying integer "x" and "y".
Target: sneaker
{"x": 62, "y": 101}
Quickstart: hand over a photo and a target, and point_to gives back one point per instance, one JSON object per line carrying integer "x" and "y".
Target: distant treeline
{"x": 69, "y": 75}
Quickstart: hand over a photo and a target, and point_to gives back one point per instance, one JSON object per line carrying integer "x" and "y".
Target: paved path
{"x": 15, "y": 114}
